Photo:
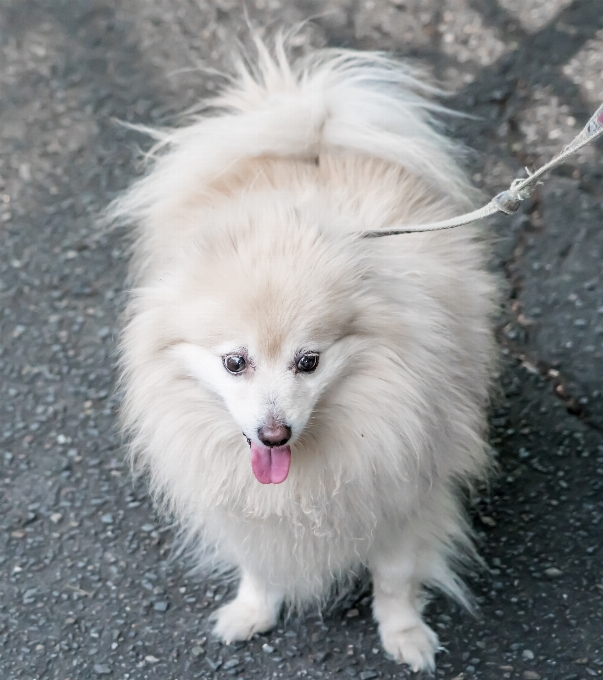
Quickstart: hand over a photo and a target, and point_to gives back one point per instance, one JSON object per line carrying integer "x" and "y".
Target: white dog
{"x": 305, "y": 401}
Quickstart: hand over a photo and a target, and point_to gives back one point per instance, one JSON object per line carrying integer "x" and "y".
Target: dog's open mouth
{"x": 270, "y": 465}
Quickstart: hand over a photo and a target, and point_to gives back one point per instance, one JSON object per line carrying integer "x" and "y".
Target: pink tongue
{"x": 270, "y": 466}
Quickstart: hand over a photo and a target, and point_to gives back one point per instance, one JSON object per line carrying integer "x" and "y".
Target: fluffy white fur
{"x": 247, "y": 240}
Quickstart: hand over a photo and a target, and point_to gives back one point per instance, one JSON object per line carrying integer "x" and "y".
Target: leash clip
{"x": 507, "y": 202}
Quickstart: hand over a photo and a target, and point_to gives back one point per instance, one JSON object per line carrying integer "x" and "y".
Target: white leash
{"x": 508, "y": 201}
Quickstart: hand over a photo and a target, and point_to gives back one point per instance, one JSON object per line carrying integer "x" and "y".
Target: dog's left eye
{"x": 234, "y": 363}
{"x": 307, "y": 363}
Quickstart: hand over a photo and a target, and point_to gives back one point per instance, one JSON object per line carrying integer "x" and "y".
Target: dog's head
{"x": 268, "y": 324}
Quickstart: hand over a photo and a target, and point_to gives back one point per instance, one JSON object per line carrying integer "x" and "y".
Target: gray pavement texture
{"x": 87, "y": 588}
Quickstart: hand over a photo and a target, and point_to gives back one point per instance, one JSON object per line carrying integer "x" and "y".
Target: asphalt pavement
{"x": 87, "y": 585}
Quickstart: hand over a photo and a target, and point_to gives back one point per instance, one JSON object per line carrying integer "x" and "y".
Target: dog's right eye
{"x": 234, "y": 363}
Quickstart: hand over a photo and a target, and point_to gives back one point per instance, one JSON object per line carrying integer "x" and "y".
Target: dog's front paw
{"x": 241, "y": 620}
{"x": 414, "y": 646}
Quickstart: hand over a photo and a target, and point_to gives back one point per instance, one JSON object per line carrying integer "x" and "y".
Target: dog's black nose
{"x": 274, "y": 434}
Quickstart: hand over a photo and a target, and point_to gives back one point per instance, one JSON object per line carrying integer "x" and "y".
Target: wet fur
{"x": 247, "y": 232}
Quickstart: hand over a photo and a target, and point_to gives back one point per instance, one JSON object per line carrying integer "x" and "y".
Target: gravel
{"x": 87, "y": 586}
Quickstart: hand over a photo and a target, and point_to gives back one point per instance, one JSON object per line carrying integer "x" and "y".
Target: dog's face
{"x": 271, "y": 395}
{"x": 269, "y": 328}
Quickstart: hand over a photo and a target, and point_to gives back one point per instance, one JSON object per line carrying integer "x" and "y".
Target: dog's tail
{"x": 329, "y": 101}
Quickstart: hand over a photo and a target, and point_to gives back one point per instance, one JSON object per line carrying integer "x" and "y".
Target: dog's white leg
{"x": 397, "y": 604}
{"x": 255, "y": 609}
